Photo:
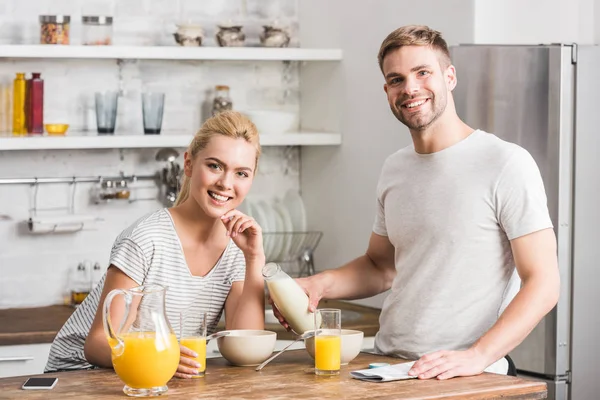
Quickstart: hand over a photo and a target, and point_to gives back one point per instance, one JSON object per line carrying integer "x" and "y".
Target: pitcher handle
{"x": 115, "y": 342}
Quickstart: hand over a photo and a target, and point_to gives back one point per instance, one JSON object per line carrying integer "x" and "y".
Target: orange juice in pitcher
{"x": 145, "y": 352}
{"x": 147, "y": 360}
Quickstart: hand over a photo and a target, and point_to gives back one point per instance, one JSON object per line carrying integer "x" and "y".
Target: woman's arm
{"x": 96, "y": 348}
{"x": 245, "y": 304}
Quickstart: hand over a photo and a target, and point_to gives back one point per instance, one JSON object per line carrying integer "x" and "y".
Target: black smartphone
{"x": 39, "y": 383}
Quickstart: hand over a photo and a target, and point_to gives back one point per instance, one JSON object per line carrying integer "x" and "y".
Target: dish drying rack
{"x": 298, "y": 258}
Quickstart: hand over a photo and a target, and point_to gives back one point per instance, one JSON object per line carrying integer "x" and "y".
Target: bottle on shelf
{"x": 19, "y": 122}
{"x": 35, "y": 104}
{"x": 96, "y": 275}
{"x": 222, "y": 101}
{"x": 80, "y": 286}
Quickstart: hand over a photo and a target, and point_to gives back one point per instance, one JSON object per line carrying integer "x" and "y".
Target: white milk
{"x": 292, "y": 302}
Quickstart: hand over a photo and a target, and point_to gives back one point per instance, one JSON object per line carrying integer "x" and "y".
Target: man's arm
{"x": 537, "y": 265}
{"x": 365, "y": 276}
{"x": 536, "y": 261}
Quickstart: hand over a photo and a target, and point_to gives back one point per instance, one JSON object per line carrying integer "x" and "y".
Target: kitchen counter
{"x": 40, "y": 325}
{"x": 32, "y": 325}
{"x": 288, "y": 376}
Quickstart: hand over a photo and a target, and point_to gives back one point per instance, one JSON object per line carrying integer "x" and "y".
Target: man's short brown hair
{"x": 415, "y": 35}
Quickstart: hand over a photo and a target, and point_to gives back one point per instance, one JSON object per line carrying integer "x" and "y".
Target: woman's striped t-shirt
{"x": 149, "y": 252}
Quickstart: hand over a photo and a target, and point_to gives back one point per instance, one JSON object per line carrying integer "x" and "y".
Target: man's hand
{"x": 448, "y": 364}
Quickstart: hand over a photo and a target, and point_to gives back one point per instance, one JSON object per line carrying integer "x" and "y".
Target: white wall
{"x": 338, "y": 184}
{"x": 34, "y": 270}
{"x": 535, "y": 21}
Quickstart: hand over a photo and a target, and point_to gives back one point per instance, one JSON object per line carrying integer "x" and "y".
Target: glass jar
{"x": 108, "y": 191}
{"x": 97, "y": 30}
{"x": 80, "y": 285}
{"x": 54, "y": 29}
{"x": 121, "y": 190}
{"x": 230, "y": 36}
{"x": 222, "y": 101}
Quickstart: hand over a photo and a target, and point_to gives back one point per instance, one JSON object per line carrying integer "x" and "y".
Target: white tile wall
{"x": 34, "y": 270}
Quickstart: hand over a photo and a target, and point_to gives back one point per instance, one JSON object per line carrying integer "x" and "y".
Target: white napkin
{"x": 394, "y": 372}
{"x": 397, "y": 372}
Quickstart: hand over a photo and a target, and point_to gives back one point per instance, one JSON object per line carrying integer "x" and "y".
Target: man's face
{"x": 417, "y": 88}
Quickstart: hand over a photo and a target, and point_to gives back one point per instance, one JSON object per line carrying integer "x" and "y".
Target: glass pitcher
{"x": 144, "y": 349}
{"x": 289, "y": 298}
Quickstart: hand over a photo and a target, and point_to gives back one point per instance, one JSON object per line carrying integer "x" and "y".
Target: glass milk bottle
{"x": 289, "y": 298}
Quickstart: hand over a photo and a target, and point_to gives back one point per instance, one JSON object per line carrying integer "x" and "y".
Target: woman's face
{"x": 221, "y": 174}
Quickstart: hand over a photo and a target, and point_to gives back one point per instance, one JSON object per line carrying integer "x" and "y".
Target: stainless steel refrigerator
{"x": 545, "y": 98}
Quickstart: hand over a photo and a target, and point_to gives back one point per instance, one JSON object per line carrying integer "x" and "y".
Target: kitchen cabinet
{"x": 23, "y": 359}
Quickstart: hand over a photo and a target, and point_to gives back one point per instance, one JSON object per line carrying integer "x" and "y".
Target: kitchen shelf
{"x": 154, "y": 141}
{"x": 170, "y": 53}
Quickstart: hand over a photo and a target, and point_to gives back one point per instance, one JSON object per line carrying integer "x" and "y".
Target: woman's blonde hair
{"x": 415, "y": 35}
{"x": 227, "y": 123}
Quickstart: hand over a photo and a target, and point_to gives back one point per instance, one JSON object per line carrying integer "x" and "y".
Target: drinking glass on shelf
{"x": 152, "y": 109}
{"x": 106, "y": 112}
{"x": 192, "y": 334}
{"x": 328, "y": 341}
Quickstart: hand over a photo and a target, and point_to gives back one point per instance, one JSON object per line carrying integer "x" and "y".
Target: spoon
{"x": 217, "y": 335}
{"x": 305, "y": 335}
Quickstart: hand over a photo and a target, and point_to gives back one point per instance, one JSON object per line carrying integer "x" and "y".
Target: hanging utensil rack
{"x": 76, "y": 179}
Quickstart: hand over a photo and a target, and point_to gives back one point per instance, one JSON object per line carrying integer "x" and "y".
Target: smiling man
{"x": 461, "y": 222}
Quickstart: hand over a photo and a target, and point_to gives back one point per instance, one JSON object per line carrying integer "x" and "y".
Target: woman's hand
{"x": 245, "y": 232}
{"x": 188, "y": 367}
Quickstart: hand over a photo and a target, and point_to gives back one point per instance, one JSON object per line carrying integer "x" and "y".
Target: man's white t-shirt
{"x": 450, "y": 216}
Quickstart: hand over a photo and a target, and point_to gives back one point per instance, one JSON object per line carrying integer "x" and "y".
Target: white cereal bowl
{"x": 351, "y": 345}
{"x": 245, "y": 347}
{"x": 272, "y": 122}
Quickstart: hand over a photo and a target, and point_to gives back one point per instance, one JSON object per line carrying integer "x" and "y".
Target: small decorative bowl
{"x": 56, "y": 129}
{"x": 189, "y": 35}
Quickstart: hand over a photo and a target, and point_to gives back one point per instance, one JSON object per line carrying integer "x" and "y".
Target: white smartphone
{"x": 39, "y": 383}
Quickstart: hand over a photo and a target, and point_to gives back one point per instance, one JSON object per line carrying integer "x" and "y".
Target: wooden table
{"x": 288, "y": 377}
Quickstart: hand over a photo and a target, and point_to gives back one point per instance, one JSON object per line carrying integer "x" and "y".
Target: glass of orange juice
{"x": 193, "y": 336}
{"x": 328, "y": 341}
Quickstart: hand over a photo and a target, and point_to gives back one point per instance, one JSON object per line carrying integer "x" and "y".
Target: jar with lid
{"x": 222, "y": 101}
{"x": 230, "y": 36}
{"x": 54, "y": 29}
{"x": 107, "y": 191}
{"x": 97, "y": 30}
{"x": 122, "y": 192}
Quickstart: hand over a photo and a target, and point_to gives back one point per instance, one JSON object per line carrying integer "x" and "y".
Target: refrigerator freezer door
{"x": 586, "y": 245}
{"x": 524, "y": 94}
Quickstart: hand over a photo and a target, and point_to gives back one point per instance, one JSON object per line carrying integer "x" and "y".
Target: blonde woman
{"x": 203, "y": 249}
